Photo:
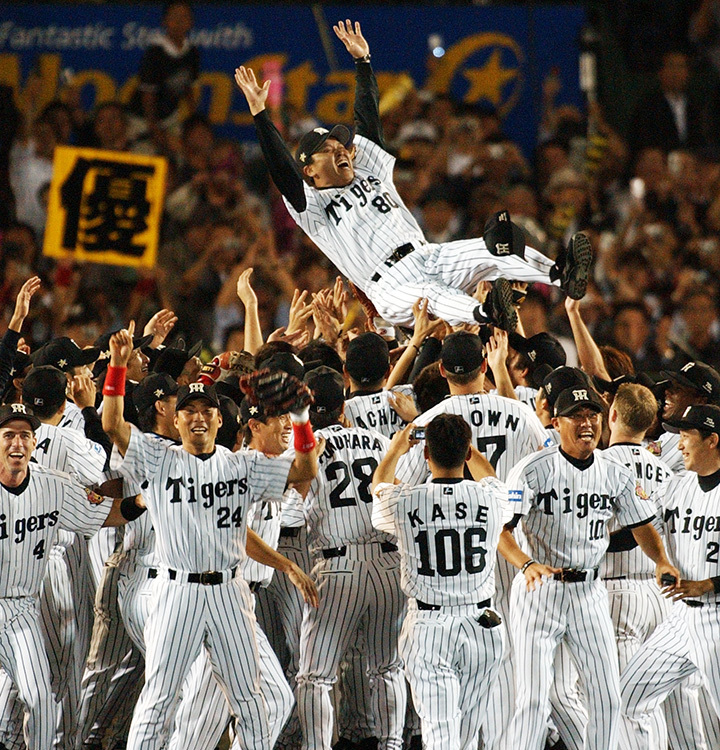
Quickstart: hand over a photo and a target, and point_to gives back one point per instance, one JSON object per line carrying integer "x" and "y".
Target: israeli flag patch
{"x": 515, "y": 496}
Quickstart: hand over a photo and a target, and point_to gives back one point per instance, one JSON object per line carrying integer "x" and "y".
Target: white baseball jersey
{"x": 445, "y": 529}
{"x": 650, "y": 474}
{"x": 338, "y": 506}
{"x": 503, "y": 430}
{"x": 373, "y": 411}
{"x": 567, "y": 509}
{"x": 266, "y": 519}
{"x": 691, "y": 519}
{"x": 666, "y": 448}
{"x": 72, "y": 417}
{"x": 68, "y": 450}
{"x": 199, "y": 504}
{"x": 30, "y": 517}
{"x": 525, "y": 394}
{"x": 358, "y": 226}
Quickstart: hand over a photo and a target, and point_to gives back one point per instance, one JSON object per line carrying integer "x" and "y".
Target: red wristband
{"x": 115, "y": 381}
{"x": 304, "y": 437}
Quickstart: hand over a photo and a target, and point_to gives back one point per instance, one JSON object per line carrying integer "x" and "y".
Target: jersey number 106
{"x": 450, "y": 554}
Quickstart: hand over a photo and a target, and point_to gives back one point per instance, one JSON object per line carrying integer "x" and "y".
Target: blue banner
{"x": 495, "y": 56}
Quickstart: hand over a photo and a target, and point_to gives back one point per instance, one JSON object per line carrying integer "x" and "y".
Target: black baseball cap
{"x": 700, "y": 417}
{"x": 8, "y": 412}
{"x": 561, "y": 379}
{"x": 313, "y": 141}
{"x": 504, "y": 237}
{"x": 611, "y": 386}
{"x": 193, "y": 391}
{"x": 284, "y": 362}
{"x": 698, "y": 376}
{"x": 64, "y": 354}
{"x": 367, "y": 358}
{"x": 327, "y": 388}
{"x": 152, "y": 388}
{"x": 250, "y": 411}
{"x": 461, "y": 352}
{"x": 172, "y": 359}
{"x": 572, "y": 399}
{"x": 227, "y": 434}
{"x": 542, "y": 348}
{"x": 44, "y": 386}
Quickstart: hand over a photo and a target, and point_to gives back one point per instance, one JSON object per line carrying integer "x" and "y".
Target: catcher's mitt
{"x": 278, "y": 392}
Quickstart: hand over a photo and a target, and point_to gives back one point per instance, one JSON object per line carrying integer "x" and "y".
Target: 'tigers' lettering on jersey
{"x": 208, "y": 490}
{"x": 690, "y": 524}
{"x": 583, "y": 502}
{"x": 24, "y": 526}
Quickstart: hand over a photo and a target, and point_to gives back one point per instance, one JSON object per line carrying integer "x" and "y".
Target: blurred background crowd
{"x": 645, "y": 186}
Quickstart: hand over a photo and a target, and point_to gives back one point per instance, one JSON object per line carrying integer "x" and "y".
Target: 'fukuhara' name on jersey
{"x": 650, "y": 474}
{"x": 447, "y": 531}
{"x": 339, "y": 503}
{"x": 503, "y": 430}
{"x": 691, "y": 520}
{"x": 199, "y": 504}
{"x": 567, "y": 509}
{"x": 358, "y": 226}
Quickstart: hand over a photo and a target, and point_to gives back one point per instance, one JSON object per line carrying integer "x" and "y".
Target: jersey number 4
{"x": 362, "y": 469}
{"x": 450, "y": 554}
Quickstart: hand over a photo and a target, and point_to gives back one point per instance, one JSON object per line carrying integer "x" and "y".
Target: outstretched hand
{"x": 121, "y": 346}
{"x": 355, "y": 43}
{"x": 255, "y": 94}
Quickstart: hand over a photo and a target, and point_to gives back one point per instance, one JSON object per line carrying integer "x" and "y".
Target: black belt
{"x": 573, "y": 575}
{"x": 398, "y": 254}
{"x": 290, "y": 532}
{"x": 438, "y": 607}
{"x": 696, "y": 603}
{"x": 342, "y": 551}
{"x": 208, "y": 578}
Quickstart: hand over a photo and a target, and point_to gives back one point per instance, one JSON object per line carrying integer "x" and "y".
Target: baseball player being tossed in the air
{"x": 566, "y": 496}
{"x": 339, "y": 188}
{"x": 447, "y": 530}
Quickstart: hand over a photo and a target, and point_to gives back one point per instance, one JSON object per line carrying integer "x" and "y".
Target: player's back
{"x": 448, "y": 532}
{"x": 373, "y": 411}
{"x": 65, "y": 449}
{"x": 503, "y": 430}
{"x": 338, "y": 507}
{"x": 650, "y": 474}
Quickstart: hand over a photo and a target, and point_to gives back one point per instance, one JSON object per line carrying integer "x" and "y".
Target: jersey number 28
{"x": 362, "y": 469}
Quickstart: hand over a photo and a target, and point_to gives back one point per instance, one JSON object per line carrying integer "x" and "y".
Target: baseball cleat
{"x": 499, "y": 305}
{"x": 575, "y": 273}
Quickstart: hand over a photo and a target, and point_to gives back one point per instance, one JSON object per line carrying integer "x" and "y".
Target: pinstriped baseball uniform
{"x": 447, "y": 531}
{"x": 688, "y": 641}
{"x": 30, "y": 517}
{"x": 373, "y": 412}
{"x": 198, "y": 506}
{"x": 566, "y": 507}
{"x": 203, "y": 714}
{"x": 504, "y": 431}
{"x": 64, "y": 602}
{"x": 360, "y": 225}
{"x": 667, "y": 444}
{"x": 358, "y": 581}
{"x": 637, "y": 607}
{"x": 525, "y": 395}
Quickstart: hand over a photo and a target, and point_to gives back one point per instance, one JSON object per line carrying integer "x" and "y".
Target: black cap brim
{"x": 31, "y": 419}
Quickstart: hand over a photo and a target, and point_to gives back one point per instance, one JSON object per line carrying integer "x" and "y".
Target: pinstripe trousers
{"x": 540, "y": 619}
{"x": 688, "y": 641}
{"x": 353, "y": 593}
{"x": 451, "y": 663}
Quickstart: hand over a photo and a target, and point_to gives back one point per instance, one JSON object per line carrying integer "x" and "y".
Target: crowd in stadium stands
{"x": 649, "y": 200}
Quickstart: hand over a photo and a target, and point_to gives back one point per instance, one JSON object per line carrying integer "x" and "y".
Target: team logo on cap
{"x": 254, "y": 410}
{"x": 196, "y": 388}
{"x": 548, "y": 388}
{"x": 62, "y": 363}
{"x": 580, "y": 395}
{"x": 502, "y": 248}
{"x": 38, "y": 401}
{"x": 104, "y": 355}
{"x": 18, "y": 408}
{"x": 159, "y": 393}
{"x": 687, "y": 367}
{"x": 532, "y": 355}
{"x": 709, "y": 422}
{"x": 707, "y": 385}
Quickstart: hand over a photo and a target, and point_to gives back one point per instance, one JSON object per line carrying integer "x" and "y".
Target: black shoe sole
{"x": 577, "y": 266}
{"x": 502, "y": 311}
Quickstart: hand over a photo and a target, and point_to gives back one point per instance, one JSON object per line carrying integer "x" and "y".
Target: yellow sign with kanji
{"x": 105, "y": 206}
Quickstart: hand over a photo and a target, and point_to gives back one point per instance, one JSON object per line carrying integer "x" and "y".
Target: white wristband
{"x": 300, "y": 417}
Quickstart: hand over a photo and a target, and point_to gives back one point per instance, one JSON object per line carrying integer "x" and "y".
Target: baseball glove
{"x": 278, "y": 392}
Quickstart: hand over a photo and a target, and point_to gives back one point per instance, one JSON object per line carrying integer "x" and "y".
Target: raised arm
{"x": 589, "y": 352}
{"x": 282, "y": 167}
{"x": 367, "y": 96}
{"x": 113, "y": 422}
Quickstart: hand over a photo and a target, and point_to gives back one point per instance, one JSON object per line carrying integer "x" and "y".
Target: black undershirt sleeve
{"x": 8, "y": 347}
{"x": 622, "y": 541}
{"x": 284, "y": 171}
{"x": 94, "y": 431}
{"x": 429, "y": 353}
{"x": 367, "y": 104}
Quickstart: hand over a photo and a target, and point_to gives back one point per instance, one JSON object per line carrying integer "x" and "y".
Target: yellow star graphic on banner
{"x": 488, "y": 82}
